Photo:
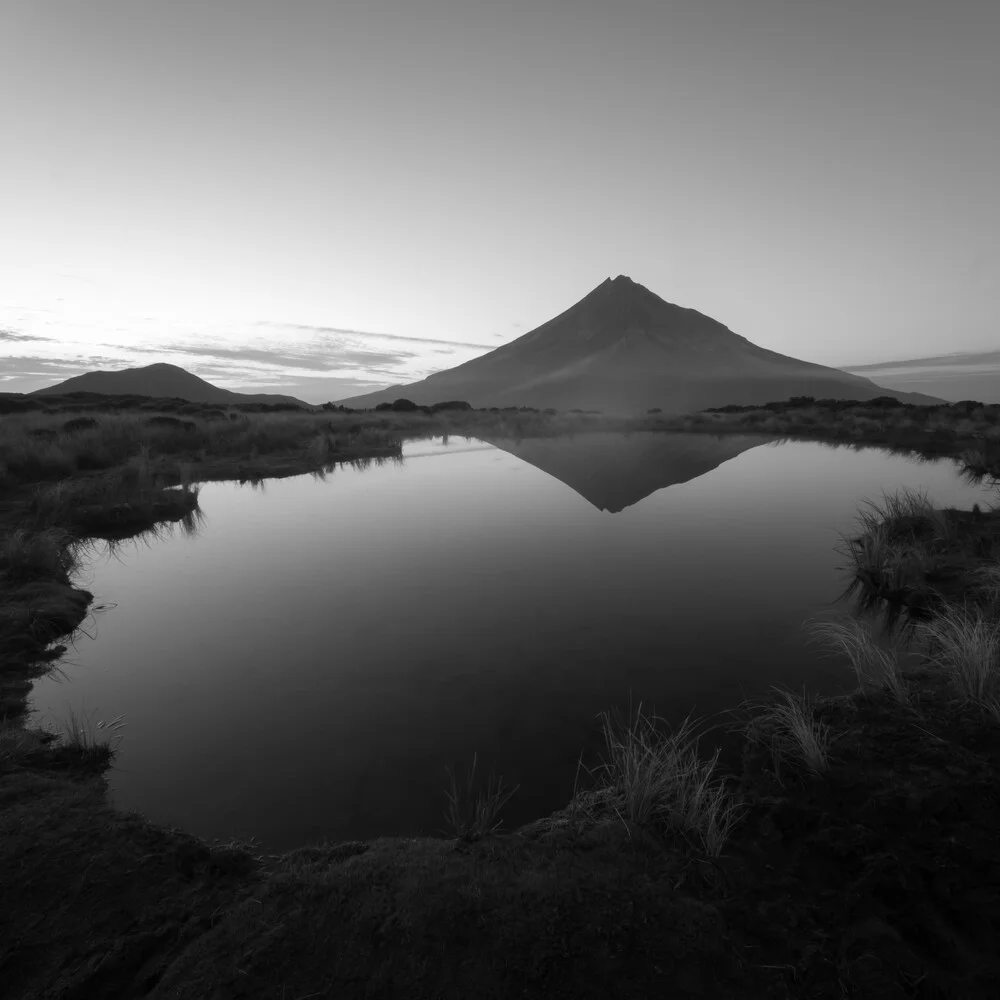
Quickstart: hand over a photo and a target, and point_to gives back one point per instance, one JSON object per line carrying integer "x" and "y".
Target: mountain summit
{"x": 622, "y": 349}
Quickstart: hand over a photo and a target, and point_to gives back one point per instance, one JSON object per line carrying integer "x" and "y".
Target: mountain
{"x": 161, "y": 381}
{"x": 624, "y": 350}
{"x": 614, "y": 472}
{"x": 955, "y": 377}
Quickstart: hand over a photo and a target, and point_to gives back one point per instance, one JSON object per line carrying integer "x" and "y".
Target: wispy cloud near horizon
{"x": 314, "y": 362}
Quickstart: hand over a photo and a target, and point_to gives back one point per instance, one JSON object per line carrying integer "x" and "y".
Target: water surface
{"x": 310, "y": 660}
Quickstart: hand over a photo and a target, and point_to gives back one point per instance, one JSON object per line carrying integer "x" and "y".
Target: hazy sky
{"x": 316, "y": 197}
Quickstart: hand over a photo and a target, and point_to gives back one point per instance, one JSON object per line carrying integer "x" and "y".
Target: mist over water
{"x": 309, "y": 660}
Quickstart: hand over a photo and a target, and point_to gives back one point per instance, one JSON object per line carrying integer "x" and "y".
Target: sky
{"x": 321, "y": 198}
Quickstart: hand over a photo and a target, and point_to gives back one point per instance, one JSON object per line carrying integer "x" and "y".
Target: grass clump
{"x": 788, "y": 727}
{"x": 95, "y": 743}
{"x": 471, "y": 815}
{"x": 965, "y": 643}
{"x": 657, "y": 777}
{"x": 875, "y": 667}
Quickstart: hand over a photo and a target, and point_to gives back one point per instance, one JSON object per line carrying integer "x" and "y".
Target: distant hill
{"x": 955, "y": 377}
{"x": 160, "y": 381}
{"x": 624, "y": 350}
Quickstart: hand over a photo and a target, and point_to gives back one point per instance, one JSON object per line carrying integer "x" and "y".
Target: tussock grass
{"x": 986, "y": 586}
{"x": 656, "y": 776}
{"x": 965, "y": 642}
{"x": 901, "y": 506}
{"x": 32, "y": 555}
{"x": 788, "y": 727}
{"x": 16, "y": 741}
{"x": 875, "y": 667}
{"x": 473, "y": 814}
{"x": 96, "y": 741}
{"x": 896, "y": 541}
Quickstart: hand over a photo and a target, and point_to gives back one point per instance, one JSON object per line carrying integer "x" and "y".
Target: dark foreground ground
{"x": 879, "y": 877}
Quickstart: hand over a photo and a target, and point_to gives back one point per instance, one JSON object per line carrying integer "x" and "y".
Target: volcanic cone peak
{"x": 619, "y": 310}
{"x": 622, "y": 349}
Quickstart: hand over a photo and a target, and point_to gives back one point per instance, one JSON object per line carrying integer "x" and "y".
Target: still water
{"x": 308, "y": 662}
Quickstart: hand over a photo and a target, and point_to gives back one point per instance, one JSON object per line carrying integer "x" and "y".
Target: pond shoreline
{"x": 875, "y": 877}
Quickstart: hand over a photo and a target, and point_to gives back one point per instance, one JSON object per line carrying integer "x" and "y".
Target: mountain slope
{"x": 622, "y": 349}
{"x": 160, "y": 381}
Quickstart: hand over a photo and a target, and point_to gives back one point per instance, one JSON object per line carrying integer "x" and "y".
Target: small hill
{"x": 160, "y": 381}
{"x": 623, "y": 350}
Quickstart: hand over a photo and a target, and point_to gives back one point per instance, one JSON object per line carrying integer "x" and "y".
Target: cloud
{"x": 30, "y": 365}
{"x": 311, "y": 388}
{"x": 363, "y": 333}
{"x": 304, "y": 360}
{"x": 958, "y": 364}
{"x": 10, "y": 335}
{"x": 328, "y": 358}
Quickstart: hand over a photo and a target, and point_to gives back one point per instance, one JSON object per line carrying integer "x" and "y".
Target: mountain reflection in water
{"x": 615, "y": 471}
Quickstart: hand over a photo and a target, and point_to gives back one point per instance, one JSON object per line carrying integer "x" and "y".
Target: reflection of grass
{"x": 656, "y": 776}
{"x": 965, "y": 643}
{"x": 874, "y": 666}
{"x": 790, "y": 730}
{"x": 472, "y": 814}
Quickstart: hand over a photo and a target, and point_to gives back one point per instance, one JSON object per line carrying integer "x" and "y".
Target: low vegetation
{"x": 786, "y": 724}
{"x": 911, "y": 561}
{"x": 968, "y": 430}
{"x": 655, "y": 777}
{"x": 964, "y": 641}
{"x": 472, "y": 812}
{"x": 876, "y": 666}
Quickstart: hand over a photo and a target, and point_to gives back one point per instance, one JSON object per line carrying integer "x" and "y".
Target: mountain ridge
{"x": 623, "y": 349}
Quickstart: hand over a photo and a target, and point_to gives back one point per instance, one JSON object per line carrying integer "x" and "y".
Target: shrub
{"x": 452, "y": 404}
{"x": 79, "y": 424}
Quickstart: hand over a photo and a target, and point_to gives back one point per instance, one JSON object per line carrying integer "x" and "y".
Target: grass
{"x": 788, "y": 727}
{"x": 965, "y": 643}
{"x": 875, "y": 667}
{"x": 967, "y": 428}
{"x": 40, "y": 445}
{"x": 471, "y": 815}
{"x": 95, "y": 745}
{"x": 31, "y": 555}
{"x": 657, "y": 778}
